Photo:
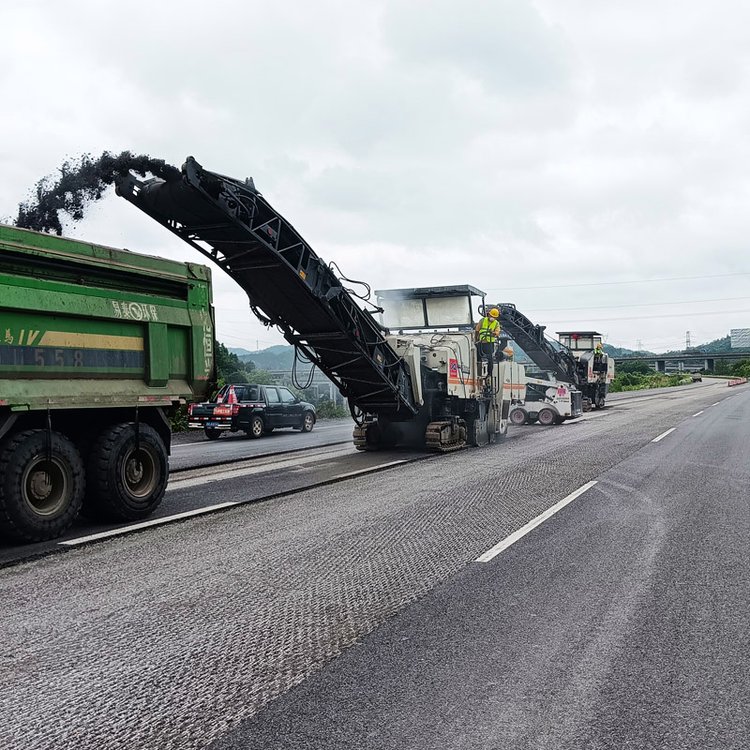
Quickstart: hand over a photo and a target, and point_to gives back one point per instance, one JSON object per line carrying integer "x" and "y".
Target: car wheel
{"x": 256, "y": 428}
{"x": 308, "y": 421}
{"x": 546, "y": 417}
{"x": 212, "y": 433}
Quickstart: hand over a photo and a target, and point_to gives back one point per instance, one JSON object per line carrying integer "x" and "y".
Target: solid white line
{"x": 663, "y": 435}
{"x": 198, "y": 511}
{"x": 516, "y": 535}
{"x": 369, "y": 470}
{"x": 144, "y": 524}
{"x": 223, "y": 472}
{"x": 698, "y": 412}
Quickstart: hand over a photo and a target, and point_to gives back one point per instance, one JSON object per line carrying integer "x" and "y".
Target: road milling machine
{"x": 576, "y": 369}
{"x": 596, "y": 369}
{"x": 415, "y": 380}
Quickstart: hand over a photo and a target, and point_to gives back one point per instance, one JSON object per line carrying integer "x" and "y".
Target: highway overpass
{"x": 686, "y": 360}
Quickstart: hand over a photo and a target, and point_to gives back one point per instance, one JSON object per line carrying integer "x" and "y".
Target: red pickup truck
{"x": 254, "y": 409}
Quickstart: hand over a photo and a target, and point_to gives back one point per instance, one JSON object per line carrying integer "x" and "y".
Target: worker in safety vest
{"x": 488, "y": 331}
{"x": 598, "y": 350}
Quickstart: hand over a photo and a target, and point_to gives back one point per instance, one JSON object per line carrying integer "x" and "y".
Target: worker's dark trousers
{"x": 485, "y": 351}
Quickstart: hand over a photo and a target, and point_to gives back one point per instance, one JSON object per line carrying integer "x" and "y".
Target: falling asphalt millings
{"x": 80, "y": 182}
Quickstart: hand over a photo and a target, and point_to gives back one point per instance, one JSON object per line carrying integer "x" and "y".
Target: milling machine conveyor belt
{"x": 532, "y": 340}
{"x": 230, "y": 223}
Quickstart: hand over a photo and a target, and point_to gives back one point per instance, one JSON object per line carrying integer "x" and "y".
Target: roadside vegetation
{"x": 636, "y": 376}
{"x": 739, "y": 369}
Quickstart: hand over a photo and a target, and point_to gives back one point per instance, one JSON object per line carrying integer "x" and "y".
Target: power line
{"x": 639, "y": 304}
{"x": 612, "y": 283}
{"x": 649, "y": 317}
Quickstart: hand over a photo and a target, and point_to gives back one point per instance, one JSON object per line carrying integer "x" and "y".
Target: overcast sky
{"x": 559, "y": 154}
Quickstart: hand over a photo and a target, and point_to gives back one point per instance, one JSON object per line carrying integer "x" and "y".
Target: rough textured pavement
{"x": 174, "y": 637}
{"x": 621, "y": 622}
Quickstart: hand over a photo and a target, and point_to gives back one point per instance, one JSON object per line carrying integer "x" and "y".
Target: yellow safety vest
{"x": 488, "y": 329}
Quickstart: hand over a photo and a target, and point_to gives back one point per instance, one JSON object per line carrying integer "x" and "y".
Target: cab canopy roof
{"x": 578, "y": 333}
{"x": 422, "y": 292}
{"x": 428, "y": 307}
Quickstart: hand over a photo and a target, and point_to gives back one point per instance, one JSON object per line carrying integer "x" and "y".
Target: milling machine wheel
{"x": 478, "y": 432}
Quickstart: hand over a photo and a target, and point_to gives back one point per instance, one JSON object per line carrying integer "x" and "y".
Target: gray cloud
{"x": 506, "y": 144}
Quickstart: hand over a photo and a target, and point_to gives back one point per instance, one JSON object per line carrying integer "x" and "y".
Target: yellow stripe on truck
{"x": 65, "y": 339}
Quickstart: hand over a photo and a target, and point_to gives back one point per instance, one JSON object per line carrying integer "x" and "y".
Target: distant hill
{"x": 616, "y": 351}
{"x": 712, "y": 347}
{"x": 279, "y": 357}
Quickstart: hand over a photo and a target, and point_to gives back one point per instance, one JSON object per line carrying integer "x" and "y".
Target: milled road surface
{"x": 185, "y": 634}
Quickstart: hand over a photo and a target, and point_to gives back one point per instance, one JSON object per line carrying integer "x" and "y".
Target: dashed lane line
{"x": 698, "y": 413}
{"x": 520, "y": 533}
{"x": 663, "y": 435}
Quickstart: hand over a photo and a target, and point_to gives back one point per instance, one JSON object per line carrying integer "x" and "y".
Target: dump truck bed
{"x": 83, "y": 325}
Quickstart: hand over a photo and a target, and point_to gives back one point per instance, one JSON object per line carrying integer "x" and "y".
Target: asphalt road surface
{"x": 194, "y": 449}
{"x": 354, "y": 614}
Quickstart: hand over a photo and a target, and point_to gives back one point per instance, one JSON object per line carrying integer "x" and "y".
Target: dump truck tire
{"x": 41, "y": 485}
{"x": 125, "y": 484}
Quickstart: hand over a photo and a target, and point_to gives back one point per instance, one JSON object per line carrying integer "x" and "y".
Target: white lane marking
{"x": 516, "y": 535}
{"x": 663, "y": 435}
{"x": 370, "y": 469}
{"x": 144, "y": 524}
{"x": 716, "y": 404}
{"x": 219, "y": 474}
{"x": 698, "y": 413}
{"x": 199, "y": 511}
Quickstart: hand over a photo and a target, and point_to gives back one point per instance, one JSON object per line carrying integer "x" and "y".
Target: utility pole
{"x": 687, "y": 340}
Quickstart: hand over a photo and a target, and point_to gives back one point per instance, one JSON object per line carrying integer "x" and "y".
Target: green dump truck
{"x": 97, "y": 346}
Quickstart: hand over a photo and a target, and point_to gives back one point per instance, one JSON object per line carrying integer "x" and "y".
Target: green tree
{"x": 227, "y": 363}
{"x": 238, "y": 376}
{"x": 722, "y": 368}
{"x": 262, "y": 377}
{"x": 640, "y": 367}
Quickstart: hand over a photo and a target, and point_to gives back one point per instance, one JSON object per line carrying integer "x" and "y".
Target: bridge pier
{"x": 661, "y": 365}
{"x": 708, "y": 364}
